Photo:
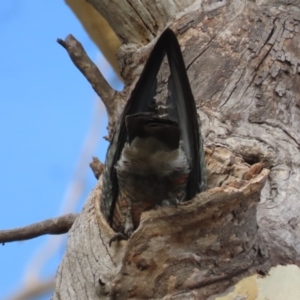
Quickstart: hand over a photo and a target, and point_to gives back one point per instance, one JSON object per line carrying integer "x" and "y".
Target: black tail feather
{"x": 181, "y": 108}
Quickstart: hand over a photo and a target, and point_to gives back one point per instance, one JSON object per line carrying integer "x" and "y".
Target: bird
{"x": 156, "y": 155}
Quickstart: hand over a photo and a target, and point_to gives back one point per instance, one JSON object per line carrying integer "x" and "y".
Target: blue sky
{"x": 46, "y": 108}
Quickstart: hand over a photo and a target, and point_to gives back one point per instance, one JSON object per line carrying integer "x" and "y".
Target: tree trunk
{"x": 243, "y": 62}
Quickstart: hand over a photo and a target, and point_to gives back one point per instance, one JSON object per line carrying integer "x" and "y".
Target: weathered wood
{"x": 138, "y": 21}
{"x": 208, "y": 242}
{"x": 59, "y": 225}
{"x": 243, "y": 63}
{"x": 244, "y": 72}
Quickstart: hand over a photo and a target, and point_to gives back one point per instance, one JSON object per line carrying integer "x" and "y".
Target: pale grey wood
{"x": 243, "y": 63}
{"x": 138, "y": 21}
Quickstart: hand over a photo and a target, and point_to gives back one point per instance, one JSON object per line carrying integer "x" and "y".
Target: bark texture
{"x": 243, "y": 62}
{"x": 198, "y": 248}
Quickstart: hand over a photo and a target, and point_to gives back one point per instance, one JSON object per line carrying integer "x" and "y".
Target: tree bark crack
{"x": 135, "y": 8}
{"x": 232, "y": 91}
{"x": 200, "y": 54}
{"x": 267, "y": 52}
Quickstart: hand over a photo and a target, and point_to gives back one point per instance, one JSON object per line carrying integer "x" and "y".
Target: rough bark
{"x": 138, "y": 22}
{"x": 243, "y": 64}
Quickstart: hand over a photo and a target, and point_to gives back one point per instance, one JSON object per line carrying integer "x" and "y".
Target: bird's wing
{"x": 182, "y": 108}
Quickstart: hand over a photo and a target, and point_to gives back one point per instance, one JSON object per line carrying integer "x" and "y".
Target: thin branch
{"x": 90, "y": 71}
{"x": 58, "y": 225}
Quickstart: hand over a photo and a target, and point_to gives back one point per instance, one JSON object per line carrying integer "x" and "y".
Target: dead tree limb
{"x": 58, "y": 225}
{"x": 90, "y": 71}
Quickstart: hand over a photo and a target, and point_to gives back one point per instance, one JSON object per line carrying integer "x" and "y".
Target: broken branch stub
{"x": 91, "y": 72}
